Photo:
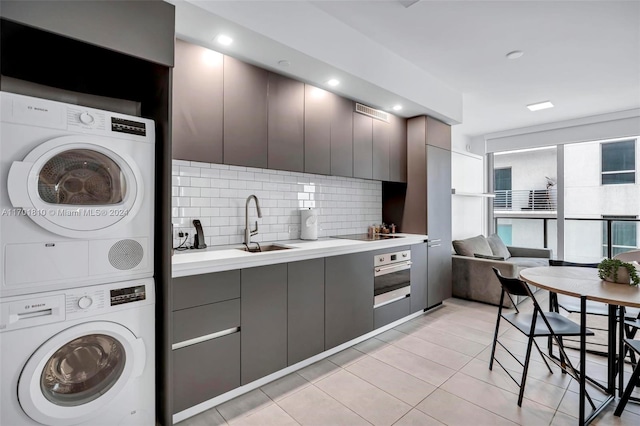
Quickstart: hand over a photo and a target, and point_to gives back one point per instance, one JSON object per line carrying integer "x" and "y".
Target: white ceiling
{"x": 444, "y": 58}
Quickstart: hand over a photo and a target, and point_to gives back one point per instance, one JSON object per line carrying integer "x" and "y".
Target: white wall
{"x": 468, "y": 214}
{"x": 216, "y": 195}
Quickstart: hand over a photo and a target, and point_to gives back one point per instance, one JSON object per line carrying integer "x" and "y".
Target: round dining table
{"x": 584, "y": 283}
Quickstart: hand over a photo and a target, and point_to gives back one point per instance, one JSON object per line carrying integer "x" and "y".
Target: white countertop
{"x": 224, "y": 258}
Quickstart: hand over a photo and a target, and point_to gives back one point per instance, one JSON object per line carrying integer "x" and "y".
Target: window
{"x": 505, "y": 232}
{"x": 623, "y": 236}
{"x": 502, "y": 187}
{"x": 619, "y": 162}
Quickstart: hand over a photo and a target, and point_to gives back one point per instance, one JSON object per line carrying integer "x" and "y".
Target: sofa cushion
{"x": 529, "y": 262}
{"x": 497, "y": 246}
{"x": 470, "y": 246}
{"x": 484, "y": 256}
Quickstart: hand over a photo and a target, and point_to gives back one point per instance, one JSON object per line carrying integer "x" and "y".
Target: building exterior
{"x": 599, "y": 188}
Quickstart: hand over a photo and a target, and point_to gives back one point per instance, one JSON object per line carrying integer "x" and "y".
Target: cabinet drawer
{"x": 391, "y": 312}
{"x": 204, "y": 320}
{"x": 197, "y": 290}
{"x": 205, "y": 370}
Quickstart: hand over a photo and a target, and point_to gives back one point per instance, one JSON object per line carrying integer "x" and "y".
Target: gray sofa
{"x": 473, "y": 277}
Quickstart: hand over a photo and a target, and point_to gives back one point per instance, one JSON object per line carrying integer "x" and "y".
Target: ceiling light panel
{"x": 540, "y": 105}
{"x": 224, "y": 40}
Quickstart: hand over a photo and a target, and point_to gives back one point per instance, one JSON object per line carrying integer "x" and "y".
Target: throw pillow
{"x": 497, "y": 246}
{"x": 484, "y": 256}
{"x": 470, "y": 246}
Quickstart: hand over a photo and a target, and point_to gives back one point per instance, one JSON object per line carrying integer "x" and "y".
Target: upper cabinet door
{"x": 341, "y": 136}
{"x": 438, "y": 134}
{"x": 317, "y": 130}
{"x": 362, "y": 146}
{"x": 285, "y": 123}
{"x": 197, "y": 104}
{"x": 245, "y": 114}
{"x": 380, "y": 162}
{"x": 398, "y": 149}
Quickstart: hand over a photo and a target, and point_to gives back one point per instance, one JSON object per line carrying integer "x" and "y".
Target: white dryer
{"x": 84, "y": 356}
{"x": 76, "y": 195}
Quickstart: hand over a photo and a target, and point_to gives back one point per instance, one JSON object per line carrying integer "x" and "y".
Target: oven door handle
{"x": 384, "y": 270}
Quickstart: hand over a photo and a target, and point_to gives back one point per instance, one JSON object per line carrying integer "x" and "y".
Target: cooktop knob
{"x": 84, "y": 302}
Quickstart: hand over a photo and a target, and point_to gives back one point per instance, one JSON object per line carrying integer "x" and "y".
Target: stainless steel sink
{"x": 264, "y": 248}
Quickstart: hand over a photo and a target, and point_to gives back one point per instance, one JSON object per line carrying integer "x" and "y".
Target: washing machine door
{"x": 78, "y": 372}
{"x": 77, "y": 186}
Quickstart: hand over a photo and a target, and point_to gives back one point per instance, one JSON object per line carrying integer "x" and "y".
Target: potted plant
{"x": 617, "y": 271}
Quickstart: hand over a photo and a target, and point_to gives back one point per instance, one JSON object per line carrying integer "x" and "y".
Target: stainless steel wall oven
{"x": 392, "y": 277}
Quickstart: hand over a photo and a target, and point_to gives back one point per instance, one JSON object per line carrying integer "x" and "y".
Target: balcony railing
{"x": 525, "y": 200}
{"x": 585, "y": 240}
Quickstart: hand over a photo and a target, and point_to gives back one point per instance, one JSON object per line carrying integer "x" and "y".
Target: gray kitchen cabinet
{"x": 391, "y": 312}
{"x": 196, "y": 290}
{"x": 305, "y": 309}
{"x": 203, "y": 320}
{"x": 140, "y": 29}
{"x": 362, "y": 146}
{"x": 341, "y": 136}
{"x": 205, "y": 370}
{"x": 317, "y": 130}
{"x": 204, "y": 305}
{"x": 414, "y": 218}
{"x": 245, "y": 114}
{"x": 197, "y": 104}
{"x": 285, "y": 132}
{"x": 348, "y": 297}
{"x": 419, "y": 277}
{"x": 438, "y": 224}
{"x": 381, "y": 134}
{"x": 263, "y": 321}
{"x": 398, "y": 149}
{"x": 427, "y": 208}
{"x": 438, "y": 134}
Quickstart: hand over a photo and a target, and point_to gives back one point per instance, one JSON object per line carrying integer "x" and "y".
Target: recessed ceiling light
{"x": 224, "y": 40}
{"x": 397, "y": 107}
{"x": 333, "y": 82}
{"x": 540, "y": 105}
{"x": 284, "y": 63}
{"x": 515, "y": 54}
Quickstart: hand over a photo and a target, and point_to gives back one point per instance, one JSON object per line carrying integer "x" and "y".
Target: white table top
{"x": 576, "y": 281}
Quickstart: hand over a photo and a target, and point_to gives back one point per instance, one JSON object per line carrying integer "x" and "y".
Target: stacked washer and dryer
{"x": 77, "y": 296}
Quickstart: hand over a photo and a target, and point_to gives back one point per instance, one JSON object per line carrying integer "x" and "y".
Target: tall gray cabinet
{"x": 428, "y": 199}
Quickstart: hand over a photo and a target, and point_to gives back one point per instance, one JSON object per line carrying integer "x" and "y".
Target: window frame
{"x": 618, "y": 172}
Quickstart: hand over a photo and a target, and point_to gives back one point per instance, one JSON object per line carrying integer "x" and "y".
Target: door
{"x": 74, "y": 374}
{"x": 76, "y": 186}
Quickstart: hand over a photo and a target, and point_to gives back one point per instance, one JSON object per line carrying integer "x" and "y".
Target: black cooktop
{"x": 367, "y": 237}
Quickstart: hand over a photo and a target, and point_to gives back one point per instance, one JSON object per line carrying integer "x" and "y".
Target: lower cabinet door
{"x": 205, "y": 370}
{"x": 391, "y": 312}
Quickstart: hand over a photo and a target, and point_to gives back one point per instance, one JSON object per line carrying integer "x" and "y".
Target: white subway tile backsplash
{"x": 216, "y": 194}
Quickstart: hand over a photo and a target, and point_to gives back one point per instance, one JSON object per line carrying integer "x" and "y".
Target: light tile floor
{"x": 432, "y": 370}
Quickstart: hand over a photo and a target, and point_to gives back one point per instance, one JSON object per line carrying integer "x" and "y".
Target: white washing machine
{"x": 83, "y": 356}
{"x": 76, "y": 195}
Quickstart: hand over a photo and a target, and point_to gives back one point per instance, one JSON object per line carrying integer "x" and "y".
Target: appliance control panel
{"x": 64, "y": 305}
{"x": 85, "y": 119}
{"x": 390, "y": 258}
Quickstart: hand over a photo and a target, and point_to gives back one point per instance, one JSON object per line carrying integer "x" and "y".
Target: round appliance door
{"x": 77, "y": 186}
{"x": 76, "y": 373}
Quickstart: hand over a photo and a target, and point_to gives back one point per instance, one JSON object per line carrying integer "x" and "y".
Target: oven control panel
{"x": 390, "y": 258}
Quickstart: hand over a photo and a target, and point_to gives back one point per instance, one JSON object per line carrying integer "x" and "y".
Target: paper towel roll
{"x": 308, "y": 224}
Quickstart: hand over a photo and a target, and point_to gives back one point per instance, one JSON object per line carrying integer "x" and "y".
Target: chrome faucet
{"x": 248, "y": 232}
